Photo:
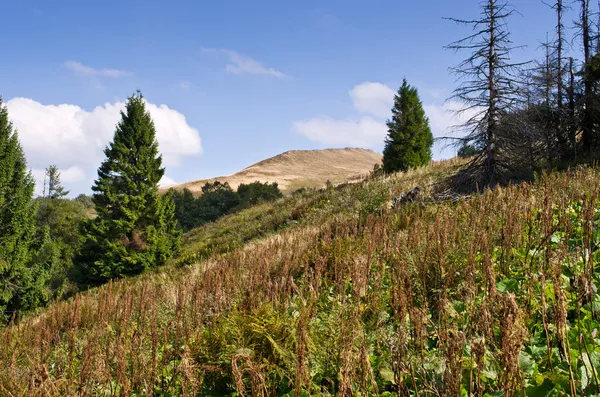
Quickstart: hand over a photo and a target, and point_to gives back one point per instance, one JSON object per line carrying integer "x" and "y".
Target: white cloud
{"x": 82, "y": 69}
{"x": 444, "y": 121}
{"x": 443, "y": 118}
{"x": 367, "y": 131}
{"x": 74, "y": 138}
{"x": 184, "y": 85}
{"x": 241, "y": 64}
{"x": 373, "y": 98}
{"x": 67, "y": 176}
{"x": 166, "y": 181}
{"x": 38, "y": 175}
{"x": 370, "y": 131}
{"x": 364, "y": 132}
{"x": 72, "y": 174}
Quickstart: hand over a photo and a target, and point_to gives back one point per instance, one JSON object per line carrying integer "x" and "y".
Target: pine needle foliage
{"x": 135, "y": 229}
{"x": 21, "y": 284}
{"x": 409, "y": 140}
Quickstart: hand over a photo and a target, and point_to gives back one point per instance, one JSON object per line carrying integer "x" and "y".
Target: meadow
{"x": 331, "y": 292}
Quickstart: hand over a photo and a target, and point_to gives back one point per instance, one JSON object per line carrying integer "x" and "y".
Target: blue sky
{"x": 241, "y": 80}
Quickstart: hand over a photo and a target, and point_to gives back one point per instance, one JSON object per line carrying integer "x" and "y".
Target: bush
{"x": 467, "y": 150}
{"x": 219, "y": 199}
{"x": 85, "y": 200}
{"x": 256, "y": 192}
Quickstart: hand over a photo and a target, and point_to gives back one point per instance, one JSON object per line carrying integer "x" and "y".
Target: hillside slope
{"x": 300, "y": 168}
{"x": 331, "y": 292}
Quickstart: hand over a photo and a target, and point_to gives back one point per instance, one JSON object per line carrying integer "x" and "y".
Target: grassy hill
{"x": 331, "y": 292}
{"x": 300, "y": 168}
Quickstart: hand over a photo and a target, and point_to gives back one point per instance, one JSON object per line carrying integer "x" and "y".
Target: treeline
{"x": 521, "y": 116}
{"x": 52, "y": 246}
{"x": 218, "y": 199}
{"x": 58, "y": 234}
{"x": 527, "y": 115}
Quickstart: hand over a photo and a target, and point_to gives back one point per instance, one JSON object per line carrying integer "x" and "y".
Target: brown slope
{"x": 300, "y": 168}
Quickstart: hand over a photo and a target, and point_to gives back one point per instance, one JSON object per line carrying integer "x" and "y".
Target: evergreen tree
{"x": 21, "y": 284}
{"x": 409, "y": 139}
{"x": 57, "y": 239}
{"x": 186, "y": 211}
{"x": 135, "y": 228}
{"x": 55, "y": 189}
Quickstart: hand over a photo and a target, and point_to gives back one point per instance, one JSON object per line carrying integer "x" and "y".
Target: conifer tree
{"x": 135, "y": 228}
{"x": 58, "y": 237}
{"x": 55, "y": 189}
{"x": 21, "y": 284}
{"x": 409, "y": 139}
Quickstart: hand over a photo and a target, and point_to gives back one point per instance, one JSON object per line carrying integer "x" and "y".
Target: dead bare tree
{"x": 562, "y": 122}
{"x": 488, "y": 84}
{"x": 587, "y": 117}
{"x": 560, "y": 42}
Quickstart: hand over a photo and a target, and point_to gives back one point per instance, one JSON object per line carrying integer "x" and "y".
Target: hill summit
{"x": 295, "y": 169}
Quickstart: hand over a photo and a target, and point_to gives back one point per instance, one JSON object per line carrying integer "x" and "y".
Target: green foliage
{"x": 409, "y": 141}
{"x": 85, "y": 200}
{"x": 58, "y": 239}
{"x": 218, "y": 199}
{"x": 53, "y": 183}
{"x": 186, "y": 209}
{"x": 256, "y": 192}
{"x": 377, "y": 171}
{"x": 21, "y": 282}
{"x": 135, "y": 228}
{"x": 467, "y": 150}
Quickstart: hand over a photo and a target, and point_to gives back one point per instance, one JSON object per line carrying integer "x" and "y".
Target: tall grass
{"x": 495, "y": 294}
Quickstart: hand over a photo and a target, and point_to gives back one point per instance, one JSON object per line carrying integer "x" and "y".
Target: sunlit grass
{"x": 333, "y": 293}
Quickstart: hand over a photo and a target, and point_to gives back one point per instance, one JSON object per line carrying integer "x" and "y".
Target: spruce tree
{"x": 55, "y": 189}
{"x": 409, "y": 140}
{"x": 135, "y": 228}
{"x": 21, "y": 284}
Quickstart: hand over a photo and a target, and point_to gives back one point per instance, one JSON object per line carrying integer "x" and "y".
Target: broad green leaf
{"x": 542, "y": 390}
{"x": 508, "y": 286}
{"x": 526, "y": 364}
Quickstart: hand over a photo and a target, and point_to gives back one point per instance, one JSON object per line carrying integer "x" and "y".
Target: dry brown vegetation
{"x": 297, "y": 169}
{"x": 494, "y": 294}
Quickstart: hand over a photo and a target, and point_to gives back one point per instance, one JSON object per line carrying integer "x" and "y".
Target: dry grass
{"x": 490, "y": 295}
{"x": 299, "y": 169}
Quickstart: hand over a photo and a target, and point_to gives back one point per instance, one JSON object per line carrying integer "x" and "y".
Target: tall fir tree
{"x": 52, "y": 178}
{"x": 135, "y": 228}
{"x": 409, "y": 140}
{"x": 21, "y": 283}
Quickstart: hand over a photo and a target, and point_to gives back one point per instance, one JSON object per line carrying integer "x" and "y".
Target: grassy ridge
{"x": 311, "y": 208}
{"x": 491, "y": 295}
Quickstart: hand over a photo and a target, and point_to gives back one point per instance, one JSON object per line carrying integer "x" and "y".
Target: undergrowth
{"x": 493, "y": 294}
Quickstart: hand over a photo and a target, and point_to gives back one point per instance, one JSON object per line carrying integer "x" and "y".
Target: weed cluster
{"x": 491, "y": 295}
